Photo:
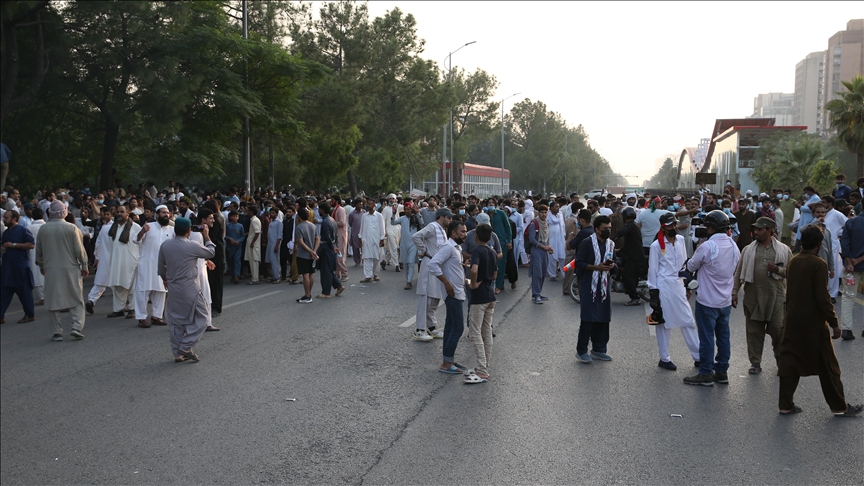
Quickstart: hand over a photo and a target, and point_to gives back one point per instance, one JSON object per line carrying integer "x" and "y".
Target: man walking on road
{"x": 187, "y": 309}
{"x": 430, "y": 291}
{"x": 124, "y": 262}
{"x": 372, "y": 236}
{"x": 806, "y": 347}
{"x": 15, "y": 271}
{"x": 716, "y": 258}
{"x": 539, "y": 250}
{"x": 446, "y": 266}
{"x": 762, "y": 272}
{"x": 148, "y": 285}
{"x": 102, "y": 260}
{"x": 852, "y": 251}
{"x": 482, "y": 303}
{"x": 62, "y": 260}
{"x": 253, "y": 244}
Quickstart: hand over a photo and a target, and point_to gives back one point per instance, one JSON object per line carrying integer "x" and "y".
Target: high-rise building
{"x": 808, "y": 92}
{"x": 779, "y": 106}
{"x": 844, "y": 60}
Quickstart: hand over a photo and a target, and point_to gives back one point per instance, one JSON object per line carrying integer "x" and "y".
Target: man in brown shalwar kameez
{"x": 187, "y": 310}
{"x": 806, "y": 347}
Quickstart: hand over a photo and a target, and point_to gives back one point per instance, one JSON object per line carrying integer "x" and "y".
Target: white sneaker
{"x": 435, "y": 333}
{"x": 422, "y": 336}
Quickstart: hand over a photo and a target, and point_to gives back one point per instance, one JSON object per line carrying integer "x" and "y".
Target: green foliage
{"x": 787, "y": 160}
{"x": 847, "y": 118}
{"x": 822, "y": 176}
{"x": 665, "y": 178}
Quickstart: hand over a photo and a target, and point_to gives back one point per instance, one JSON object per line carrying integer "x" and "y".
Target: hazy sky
{"x": 645, "y": 79}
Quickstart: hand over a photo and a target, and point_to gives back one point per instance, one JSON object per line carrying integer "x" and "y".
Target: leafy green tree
{"x": 22, "y": 22}
{"x": 822, "y": 176}
{"x": 847, "y": 118}
{"x": 665, "y": 178}
{"x": 787, "y": 159}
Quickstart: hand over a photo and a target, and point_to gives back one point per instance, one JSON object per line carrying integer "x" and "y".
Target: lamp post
{"x": 502, "y": 140}
{"x": 444, "y": 156}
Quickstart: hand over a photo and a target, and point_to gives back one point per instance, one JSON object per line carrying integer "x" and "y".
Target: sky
{"x": 645, "y": 79}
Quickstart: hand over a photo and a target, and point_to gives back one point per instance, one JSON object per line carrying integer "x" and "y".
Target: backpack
{"x": 525, "y": 235}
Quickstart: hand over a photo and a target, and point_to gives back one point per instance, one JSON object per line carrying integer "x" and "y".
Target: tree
{"x": 822, "y": 176}
{"x": 17, "y": 16}
{"x": 787, "y": 159}
{"x": 847, "y": 118}
{"x": 665, "y": 178}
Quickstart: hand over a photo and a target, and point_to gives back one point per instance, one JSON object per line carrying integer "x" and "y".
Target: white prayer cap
{"x": 161, "y": 206}
{"x": 226, "y": 204}
{"x": 391, "y": 196}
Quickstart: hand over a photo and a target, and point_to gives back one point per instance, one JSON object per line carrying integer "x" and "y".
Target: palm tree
{"x": 847, "y": 118}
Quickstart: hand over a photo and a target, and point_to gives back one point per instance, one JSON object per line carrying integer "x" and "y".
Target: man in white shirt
{"x": 429, "y": 290}
{"x": 148, "y": 285}
{"x": 834, "y": 221}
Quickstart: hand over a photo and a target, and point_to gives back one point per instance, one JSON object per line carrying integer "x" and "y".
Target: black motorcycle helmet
{"x": 628, "y": 213}
{"x": 667, "y": 219}
{"x": 716, "y": 219}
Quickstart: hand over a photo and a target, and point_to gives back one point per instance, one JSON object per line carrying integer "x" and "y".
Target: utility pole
{"x": 247, "y": 166}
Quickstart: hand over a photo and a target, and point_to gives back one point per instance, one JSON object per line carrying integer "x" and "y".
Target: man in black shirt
{"x": 484, "y": 271}
{"x": 631, "y": 254}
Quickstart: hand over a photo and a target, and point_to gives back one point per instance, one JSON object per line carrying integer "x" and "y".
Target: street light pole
{"x": 247, "y": 163}
{"x": 449, "y": 80}
{"x": 502, "y": 140}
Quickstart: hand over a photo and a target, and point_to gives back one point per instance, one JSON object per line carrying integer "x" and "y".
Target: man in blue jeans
{"x": 447, "y": 266}
{"x": 715, "y": 259}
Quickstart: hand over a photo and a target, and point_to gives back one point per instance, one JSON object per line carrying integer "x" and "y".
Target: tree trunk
{"x": 860, "y": 165}
{"x": 352, "y": 182}
{"x": 109, "y": 151}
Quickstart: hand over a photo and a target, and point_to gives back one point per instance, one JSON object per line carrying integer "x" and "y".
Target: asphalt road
{"x": 371, "y": 408}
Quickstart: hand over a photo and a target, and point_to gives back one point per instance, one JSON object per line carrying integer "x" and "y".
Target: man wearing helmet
{"x": 715, "y": 259}
{"x": 669, "y": 298}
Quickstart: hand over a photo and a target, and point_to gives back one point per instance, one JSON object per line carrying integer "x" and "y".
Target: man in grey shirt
{"x": 187, "y": 310}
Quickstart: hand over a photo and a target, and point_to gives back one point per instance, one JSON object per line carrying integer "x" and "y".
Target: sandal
{"x": 451, "y": 370}
{"x": 181, "y": 359}
{"x": 851, "y": 411}
{"x": 188, "y": 355}
{"x": 322, "y": 296}
{"x": 473, "y": 379}
{"x": 795, "y": 409}
{"x": 755, "y": 370}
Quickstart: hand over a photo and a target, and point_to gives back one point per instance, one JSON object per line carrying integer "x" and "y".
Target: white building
{"x": 808, "y": 92}
{"x": 779, "y": 106}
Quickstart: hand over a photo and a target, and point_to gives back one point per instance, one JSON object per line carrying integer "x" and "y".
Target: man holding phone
{"x": 594, "y": 262}
{"x": 762, "y": 272}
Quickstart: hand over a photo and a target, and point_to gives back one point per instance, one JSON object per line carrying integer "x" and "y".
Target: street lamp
{"x": 444, "y": 155}
{"x": 502, "y": 140}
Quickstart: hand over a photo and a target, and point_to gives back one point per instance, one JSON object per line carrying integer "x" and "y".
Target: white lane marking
{"x": 252, "y": 298}
{"x": 409, "y": 322}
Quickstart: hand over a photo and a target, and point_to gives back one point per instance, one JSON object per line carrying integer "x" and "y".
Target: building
{"x": 807, "y": 110}
{"x": 779, "y": 106}
{"x": 844, "y": 60}
{"x": 480, "y": 180}
{"x": 731, "y": 153}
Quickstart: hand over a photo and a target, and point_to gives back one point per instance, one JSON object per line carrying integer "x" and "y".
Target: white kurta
{"x": 102, "y": 253}
{"x": 253, "y": 250}
{"x": 556, "y": 235}
{"x": 124, "y": 259}
{"x": 38, "y": 278}
{"x": 663, "y": 275}
{"x": 203, "y": 283}
{"x": 148, "y": 257}
{"x": 371, "y": 233}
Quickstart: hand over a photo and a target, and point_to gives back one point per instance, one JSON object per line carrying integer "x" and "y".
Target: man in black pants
{"x": 631, "y": 254}
{"x": 287, "y": 242}
{"x": 215, "y": 276}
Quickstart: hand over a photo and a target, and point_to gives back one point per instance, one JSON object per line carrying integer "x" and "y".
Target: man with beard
{"x": 632, "y": 255}
{"x": 446, "y": 266}
{"x": 17, "y": 277}
{"x": 429, "y": 291}
{"x": 253, "y": 245}
{"x": 124, "y": 262}
{"x": 206, "y": 219}
{"x": 556, "y": 240}
{"x": 148, "y": 285}
{"x": 62, "y": 260}
{"x": 217, "y": 274}
{"x": 187, "y": 310}
{"x": 101, "y": 258}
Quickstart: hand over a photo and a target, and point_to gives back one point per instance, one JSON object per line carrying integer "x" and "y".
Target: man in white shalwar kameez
{"x": 666, "y": 258}
{"x": 124, "y": 262}
{"x": 391, "y": 247}
{"x": 430, "y": 290}
{"x": 556, "y": 240}
{"x": 518, "y": 238}
{"x": 187, "y": 310}
{"x": 38, "y": 278}
{"x": 102, "y": 257}
{"x": 148, "y": 285}
{"x": 372, "y": 236}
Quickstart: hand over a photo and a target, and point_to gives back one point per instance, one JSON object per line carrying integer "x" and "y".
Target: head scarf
{"x": 57, "y": 210}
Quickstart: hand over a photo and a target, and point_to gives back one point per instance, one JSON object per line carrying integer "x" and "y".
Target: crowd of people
{"x": 165, "y": 255}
